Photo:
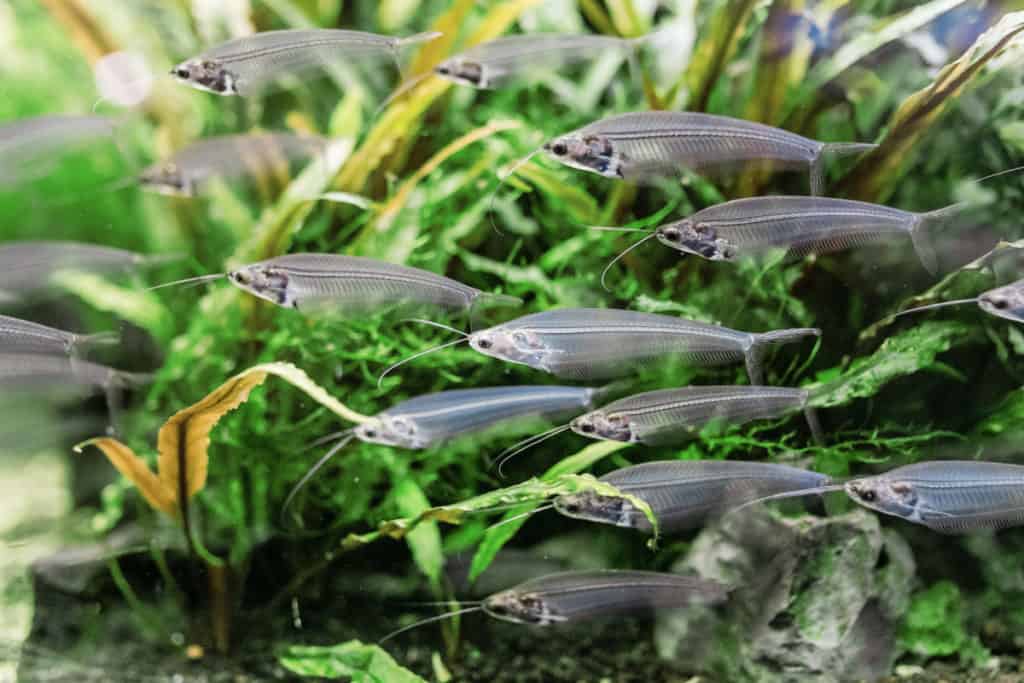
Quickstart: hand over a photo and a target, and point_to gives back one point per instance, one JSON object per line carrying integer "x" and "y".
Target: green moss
{"x": 935, "y": 625}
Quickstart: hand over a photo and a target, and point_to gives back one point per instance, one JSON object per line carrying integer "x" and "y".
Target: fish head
{"x": 167, "y": 179}
{"x": 695, "y": 238}
{"x": 888, "y": 496}
{"x": 586, "y": 152}
{"x": 462, "y": 71}
{"x": 518, "y": 608}
{"x": 389, "y": 430}
{"x": 207, "y": 75}
{"x": 1004, "y": 302}
{"x": 590, "y": 506}
{"x": 510, "y": 344}
{"x": 266, "y": 282}
{"x": 598, "y": 424}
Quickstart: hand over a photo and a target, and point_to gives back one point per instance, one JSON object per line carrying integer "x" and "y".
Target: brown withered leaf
{"x": 184, "y": 441}
{"x": 136, "y": 471}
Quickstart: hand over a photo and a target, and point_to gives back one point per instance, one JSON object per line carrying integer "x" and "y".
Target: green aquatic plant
{"x": 425, "y": 173}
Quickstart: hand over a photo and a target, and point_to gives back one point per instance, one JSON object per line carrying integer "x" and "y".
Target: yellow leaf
{"x": 715, "y": 48}
{"x": 184, "y": 440}
{"x": 136, "y": 471}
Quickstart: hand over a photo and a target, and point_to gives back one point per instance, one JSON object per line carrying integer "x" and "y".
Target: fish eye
{"x": 868, "y": 496}
{"x": 1001, "y": 304}
{"x": 484, "y": 343}
{"x": 181, "y": 73}
{"x": 443, "y": 70}
{"x": 671, "y": 234}
{"x": 559, "y": 149}
{"x": 587, "y": 428}
{"x": 370, "y": 433}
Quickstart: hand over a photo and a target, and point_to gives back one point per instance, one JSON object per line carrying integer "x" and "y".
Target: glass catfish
{"x": 229, "y": 156}
{"x": 683, "y": 494}
{"x": 574, "y": 596}
{"x": 1003, "y": 302}
{"x": 948, "y": 496}
{"x": 433, "y": 419}
{"x": 335, "y": 282}
{"x": 31, "y": 266}
{"x": 643, "y": 145}
{"x": 30, "y": 147}
{"x": 800, "y": 226}
{"x": 246, "y": 66}
{"x": 18, "y": 335}
{"x": 601, "y": 343}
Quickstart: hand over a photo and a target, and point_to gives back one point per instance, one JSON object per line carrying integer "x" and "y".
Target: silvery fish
{"x": 668, "y": 415}
{"x": 322, "y": 282}
{"x": 598, "y": 343}
{"x": 245, "y": 65}
{"x": 682, "y": 494}
{"x": 642, "y": 145}
{"x": 952, "y": 496}
{"x": 799, "y": 225}
{"x": 432, "y": 419}
{"x": 26, "y": 267}
{"x": 949, "y": 496}
{"x": 18, "y": 335}
{"x": 1003, "y": 302}
{"x": 496, "y": 62}
{"x": 28, "y": 147}
{"x": 229, "y": 156}
{"x": 573, "y": 596}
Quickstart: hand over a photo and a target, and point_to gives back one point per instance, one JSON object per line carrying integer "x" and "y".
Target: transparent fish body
{"x": 682, "y": 494}
{"x": 798, "y": 225}
{"x": 434, "y": 418}
{"x": 29, "y": 266}
{"x": 39, "y": 140}
{"x": 18, "y": 335}
{"x": 642, "y": 145}
{"x": 494, "y": 63}
{"x": 245, "y": 66}
{"x": 230, "y": 156}
{"x": 579, "y": 595}
{"x": 950, "y": 496}
{"x": 43, "y": 371}
{"x": 670, "y": 415}
{"x": 312, "y": 282}
{"x": 598, "y": 343}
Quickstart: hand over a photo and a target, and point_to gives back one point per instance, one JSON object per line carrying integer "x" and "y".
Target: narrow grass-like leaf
{"x": 875, "y": 175}
{"x": 715, "y": 48}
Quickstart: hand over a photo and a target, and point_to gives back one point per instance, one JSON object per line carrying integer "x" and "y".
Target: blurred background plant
{"x": 937, "y": 84}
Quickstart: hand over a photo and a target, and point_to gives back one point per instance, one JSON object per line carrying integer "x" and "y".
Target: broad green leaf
{"x": 353, "y": 660}
{"x": 425, "y": 540}
{"x": 502, "y": 532}
{"x": 904, "y": 354}
{"x": 875, "y": 175}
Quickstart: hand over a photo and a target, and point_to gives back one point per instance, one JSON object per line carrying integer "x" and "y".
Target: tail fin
{"x": 919, "y": 238}
{"x": 829, "y": 151}
{"x": 98, "y": 339}
{"x": 486, "y": 300}
{"x": 761, "y": 341}
{"x": 601, "y": 394}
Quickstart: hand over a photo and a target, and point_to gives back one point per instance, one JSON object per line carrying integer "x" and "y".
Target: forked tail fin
{"x": 829, "y": 151}
{"x": 922, "y": 241}
{"x": 761, "y": 343}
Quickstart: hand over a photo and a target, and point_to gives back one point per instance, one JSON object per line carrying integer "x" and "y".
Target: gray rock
{"x": 811, "y": 600}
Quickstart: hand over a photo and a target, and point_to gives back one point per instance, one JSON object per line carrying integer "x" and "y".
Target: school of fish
{"x": 573, "y": 344}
